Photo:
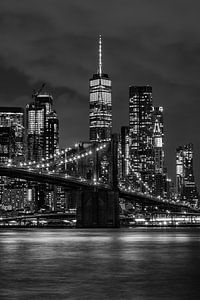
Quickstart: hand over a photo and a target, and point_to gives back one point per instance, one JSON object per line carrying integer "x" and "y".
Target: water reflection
{"x": 100, "y": 264}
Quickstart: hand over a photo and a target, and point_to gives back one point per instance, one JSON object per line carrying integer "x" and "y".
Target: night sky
{"x": 155, "y": 42}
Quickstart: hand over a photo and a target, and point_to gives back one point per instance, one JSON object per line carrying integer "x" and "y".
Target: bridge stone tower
{"x": 98, "y": 207}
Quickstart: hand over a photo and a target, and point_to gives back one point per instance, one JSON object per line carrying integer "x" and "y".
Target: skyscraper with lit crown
{"x": 158, "y": 145}
{"x": 158, "y": 139}
{"x": 100, "y": 116}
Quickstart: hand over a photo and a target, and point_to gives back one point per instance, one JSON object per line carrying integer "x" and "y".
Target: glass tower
{"x": 100, "y": 116}
{"x": 13, "y": 118}
{"x": 158, "y": 145}
{"x": 185, "y": 183}
{"x": 125, "y": 150}
{"x": 141, "y": 133}
{"x": 42, "y": 128}
{"x": 12, "y": 150}
{"x": 158, "y": 139}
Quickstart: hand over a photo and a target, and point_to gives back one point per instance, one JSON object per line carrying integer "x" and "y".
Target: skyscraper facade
{"x": 100, "y": 116}
{"x": 158, "y": 139}
{"x": 141, "y": 133}
{"x": 158, "y": 148}
{"x": 12, "y": 150}
{"x": 124, "y": 139}
{"x": 52, "y": 134}
{"x": 42, "y": 128}
{"x": 7, "y": 144}
{"x": 13, "y": 118}
{"x": 186, "y": 189}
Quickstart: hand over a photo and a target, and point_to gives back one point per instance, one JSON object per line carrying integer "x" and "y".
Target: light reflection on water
{"x": 100, "y": 264}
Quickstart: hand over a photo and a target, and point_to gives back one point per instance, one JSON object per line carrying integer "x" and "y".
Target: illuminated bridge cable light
{"x": 46, "y": 162}
{"x": 140, "y": 180}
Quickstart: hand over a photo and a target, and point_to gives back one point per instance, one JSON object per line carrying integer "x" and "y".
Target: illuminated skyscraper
{"x": 158, "y": 135}
{"x": 7, "y": 144}
{"x": 52, "y": 134}
{"x": 179, "y": 171}
{"x": 100, "y": 117}
{"x": 13, "y": 117}
{"x": 42, "y": 140}
{"x": 12, "y": 150}
{"x": 125, "y": 151}
{"x": 158, "y": 139}
{"x": 141, "y": 133}
{"x": 42, "y": 128}
{"x": 185, "y": 183}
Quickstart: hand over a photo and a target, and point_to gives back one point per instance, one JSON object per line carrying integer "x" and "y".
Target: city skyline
{"x": 99, "y": 149}
{"x": 32, "y": 140}
{"x": 142, "y": 52}
{"x": 103, "y": 97}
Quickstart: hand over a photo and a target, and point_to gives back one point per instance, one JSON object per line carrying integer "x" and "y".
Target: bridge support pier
{"x": 97, "y": 209}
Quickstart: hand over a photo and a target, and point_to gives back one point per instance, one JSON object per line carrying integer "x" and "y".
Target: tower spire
{"x": 100, "y": 56}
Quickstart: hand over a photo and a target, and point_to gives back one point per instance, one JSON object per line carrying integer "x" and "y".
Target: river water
{"x": 130, "y": 263}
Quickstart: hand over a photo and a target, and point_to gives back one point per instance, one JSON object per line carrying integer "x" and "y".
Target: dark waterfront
{"x": 100, "y": 264}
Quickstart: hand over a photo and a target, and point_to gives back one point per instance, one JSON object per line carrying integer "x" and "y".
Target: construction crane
{"x": 36, "y": 93}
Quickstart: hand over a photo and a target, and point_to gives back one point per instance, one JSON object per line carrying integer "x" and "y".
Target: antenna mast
{"x": 100, "y": 56}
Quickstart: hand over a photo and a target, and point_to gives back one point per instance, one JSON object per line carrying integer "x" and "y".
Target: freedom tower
{"x": 100, "y": 117}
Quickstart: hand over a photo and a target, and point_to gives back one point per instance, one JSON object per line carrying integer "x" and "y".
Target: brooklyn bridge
{"x": 90, "y": 173}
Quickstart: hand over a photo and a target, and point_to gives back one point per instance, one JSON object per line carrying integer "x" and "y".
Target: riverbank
{"x": 127, "y": 226}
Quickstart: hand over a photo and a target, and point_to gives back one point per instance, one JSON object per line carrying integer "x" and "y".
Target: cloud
{"x": 55, "y": 41}
{"x": 153, "y": 42}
